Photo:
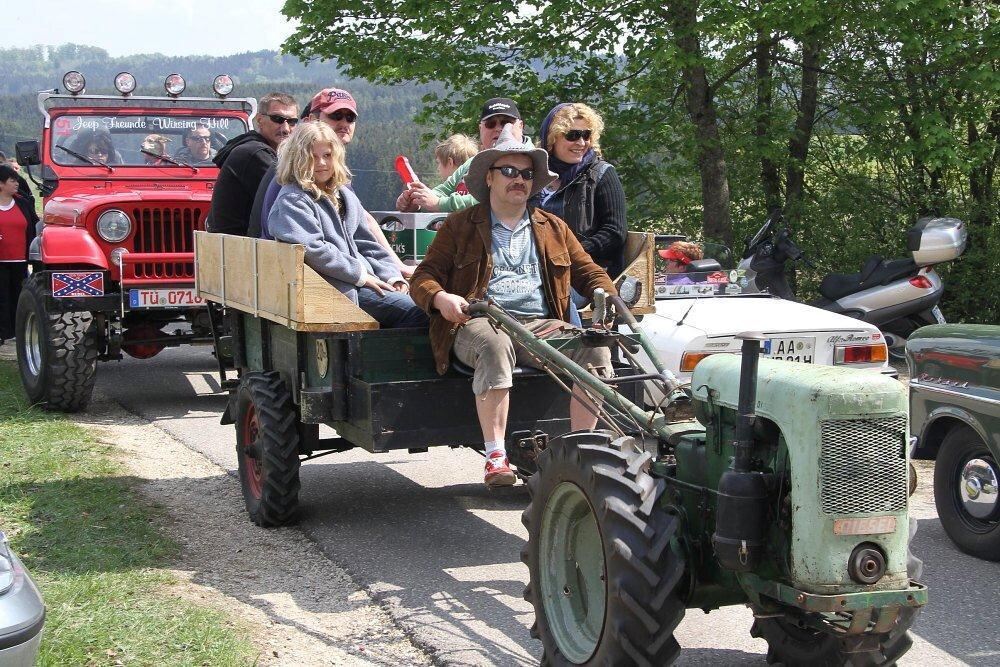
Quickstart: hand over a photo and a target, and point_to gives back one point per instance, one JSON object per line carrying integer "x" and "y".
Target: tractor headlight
{"x": 113, "y": 226}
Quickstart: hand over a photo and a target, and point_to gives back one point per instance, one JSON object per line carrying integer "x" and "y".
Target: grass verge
{"x": 92, "y": 547}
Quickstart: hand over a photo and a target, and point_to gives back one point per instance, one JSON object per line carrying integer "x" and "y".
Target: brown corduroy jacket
{"x": 460, "y": 261}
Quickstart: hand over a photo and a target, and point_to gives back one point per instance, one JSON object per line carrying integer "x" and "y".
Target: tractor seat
{"x": 876, "y": 271}
{"x": 469, "y": 371}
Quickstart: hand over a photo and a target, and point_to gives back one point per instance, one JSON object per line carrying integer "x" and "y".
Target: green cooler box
{"x": 409, "y": 233}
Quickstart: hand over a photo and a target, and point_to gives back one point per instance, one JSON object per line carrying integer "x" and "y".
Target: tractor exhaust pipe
{"x": 741, "y": 515}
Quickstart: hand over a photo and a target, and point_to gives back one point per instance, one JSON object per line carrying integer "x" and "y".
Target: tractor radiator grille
{"x": 862, "y": 465}
{"x": 166, "y": 230}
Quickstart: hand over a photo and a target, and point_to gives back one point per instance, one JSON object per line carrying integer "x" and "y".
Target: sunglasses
{"x": 576, "y": 135}
{"x": 343, "y": 115}
{"x": 278, "y": 119}
{"x": 200, "y": 138}
{"x": 491, "y": 123}
{"x": 511, "y": 171}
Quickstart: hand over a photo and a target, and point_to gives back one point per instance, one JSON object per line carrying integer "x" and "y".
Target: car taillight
{"x": 921, "y": 282}
{"x": 690, "y": 359}
{"x": 860, "y": 354}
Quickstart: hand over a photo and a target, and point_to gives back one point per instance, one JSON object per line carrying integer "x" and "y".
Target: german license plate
{"x": 791, "y": 349}
{"x": 164, "y": 298}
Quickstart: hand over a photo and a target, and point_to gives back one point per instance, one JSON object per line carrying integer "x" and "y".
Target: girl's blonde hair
{"x": 562, "y": 122}
{"x": 458, "y": 148}
{"x": 296, "y": 164}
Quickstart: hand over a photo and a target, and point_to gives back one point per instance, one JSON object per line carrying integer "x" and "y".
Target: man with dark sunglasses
{"x": 524, "y": 259}
{"x": 245, "y": 159}
{"x": 453, "y": 195}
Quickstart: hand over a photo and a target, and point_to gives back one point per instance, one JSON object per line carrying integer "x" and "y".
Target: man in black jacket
{"x": 245, "y": 160}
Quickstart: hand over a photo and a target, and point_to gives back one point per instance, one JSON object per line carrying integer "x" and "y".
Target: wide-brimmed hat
{"x": 507, "y": 144}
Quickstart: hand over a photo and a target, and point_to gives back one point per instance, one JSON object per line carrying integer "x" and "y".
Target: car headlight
{"x": 113, "y": 226}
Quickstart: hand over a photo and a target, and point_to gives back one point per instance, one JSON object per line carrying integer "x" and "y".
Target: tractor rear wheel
{"x": 56, "y": 352}
{"x": 794, "y": 643}
{"x": 267, "y": 445}
{"x": 603, "y": 570}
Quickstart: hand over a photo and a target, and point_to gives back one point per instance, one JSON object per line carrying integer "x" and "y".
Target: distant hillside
{"x": 385, "y": 128}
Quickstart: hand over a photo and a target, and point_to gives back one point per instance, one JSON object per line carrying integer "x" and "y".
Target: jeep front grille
{"x": 862, "y": 465}
{"x": 164, "y": 230}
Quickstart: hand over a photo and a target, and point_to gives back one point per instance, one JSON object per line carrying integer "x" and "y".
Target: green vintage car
{"x": 955, "y": 416}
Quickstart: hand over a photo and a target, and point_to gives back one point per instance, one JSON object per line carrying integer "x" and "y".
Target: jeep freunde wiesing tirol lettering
{"x": 126, "y": 180}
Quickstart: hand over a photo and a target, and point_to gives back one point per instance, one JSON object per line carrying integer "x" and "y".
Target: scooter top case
{"x": 935, "y": 240}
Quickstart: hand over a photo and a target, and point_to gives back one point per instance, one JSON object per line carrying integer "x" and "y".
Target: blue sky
{"x": 171, "y": 27}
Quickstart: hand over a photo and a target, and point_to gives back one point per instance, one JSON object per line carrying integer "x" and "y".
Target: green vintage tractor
{"x": 787, "y": 493}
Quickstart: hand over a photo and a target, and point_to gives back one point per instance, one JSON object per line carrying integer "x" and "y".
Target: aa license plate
{"x": 163, "y": 298}
{"x": 791, "y": 349}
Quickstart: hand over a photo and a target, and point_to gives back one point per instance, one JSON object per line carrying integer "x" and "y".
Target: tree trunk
{"x": 769, "y": 177}
{"x": 798, "y": 146}
{"x": 716, "y": 221}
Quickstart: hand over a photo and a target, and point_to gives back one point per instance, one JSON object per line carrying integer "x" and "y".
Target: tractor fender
{"x": 70, "y": 245}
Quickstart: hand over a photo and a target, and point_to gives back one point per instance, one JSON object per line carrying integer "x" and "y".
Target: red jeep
{"x": 126, "y": 181}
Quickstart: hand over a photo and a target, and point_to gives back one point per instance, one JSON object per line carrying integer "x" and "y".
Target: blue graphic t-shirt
{"x": 516, "y": 283}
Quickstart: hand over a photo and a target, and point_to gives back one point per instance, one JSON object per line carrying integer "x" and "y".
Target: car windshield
{"x": 141, "y": 140}
{"x": 715, "y": 275}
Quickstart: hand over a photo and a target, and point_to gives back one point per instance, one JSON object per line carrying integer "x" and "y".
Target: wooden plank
{"x": 270, "y": 279}
{"x": 640, "y": 264}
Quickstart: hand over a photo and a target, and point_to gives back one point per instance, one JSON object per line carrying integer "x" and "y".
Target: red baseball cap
{"x": 675, "y": 255}
{"x": 329, "y": 100}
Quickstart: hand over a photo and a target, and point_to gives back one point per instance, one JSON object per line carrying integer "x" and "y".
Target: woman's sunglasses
{"x": 576, "y": 135}
{"x": 279, "y": 119}
{"x": 511, "y": 171}
{"x": 491, "y": 123}
{"x": 343, "y": 115}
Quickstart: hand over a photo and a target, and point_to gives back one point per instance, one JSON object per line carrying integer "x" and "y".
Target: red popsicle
{"x": 405, "y": 171}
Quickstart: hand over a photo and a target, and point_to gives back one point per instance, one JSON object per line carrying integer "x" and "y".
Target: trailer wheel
{"x": 966, "y": 481}
{"x": 56, "y": 352}
{"x": 790, "y": 642}
{"x": 603, "y": 570}
{"x": 267, "y": 445}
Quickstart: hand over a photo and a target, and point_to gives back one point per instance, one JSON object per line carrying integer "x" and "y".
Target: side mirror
{"x": 27, "y": 153}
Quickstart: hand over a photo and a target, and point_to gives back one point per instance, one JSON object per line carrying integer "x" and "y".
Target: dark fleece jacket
{"x": 243, "y": 162}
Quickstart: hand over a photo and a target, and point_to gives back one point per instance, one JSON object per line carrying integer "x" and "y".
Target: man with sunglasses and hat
{"x": 245, "y": 159}
{"x": 524, "y": 259}
{"x": 453, "y": 195}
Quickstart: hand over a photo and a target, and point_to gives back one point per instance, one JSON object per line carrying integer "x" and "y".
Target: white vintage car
{"x": 700, "y": 312}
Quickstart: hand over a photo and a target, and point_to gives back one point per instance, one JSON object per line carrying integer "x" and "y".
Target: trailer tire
{"x": 604, "y": 581}
{"x": 56, "y": 352}
{"x": 267, "y": 446}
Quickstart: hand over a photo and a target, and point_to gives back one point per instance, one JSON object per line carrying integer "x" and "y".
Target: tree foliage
{"x": 854, "y": 117}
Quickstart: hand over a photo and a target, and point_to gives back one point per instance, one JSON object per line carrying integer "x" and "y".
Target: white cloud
{"x": 172, "y": 27}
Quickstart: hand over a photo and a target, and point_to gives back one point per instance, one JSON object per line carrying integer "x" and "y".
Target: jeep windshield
{"x": 141, "y": 140}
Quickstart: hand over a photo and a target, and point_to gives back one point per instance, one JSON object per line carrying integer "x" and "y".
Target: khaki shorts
{"x": 494, "y": 355}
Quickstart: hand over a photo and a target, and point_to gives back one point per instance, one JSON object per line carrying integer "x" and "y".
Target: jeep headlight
{"x": 113, "y": 226}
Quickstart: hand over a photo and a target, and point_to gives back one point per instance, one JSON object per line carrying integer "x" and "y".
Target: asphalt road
{"x": 441, "y": 553}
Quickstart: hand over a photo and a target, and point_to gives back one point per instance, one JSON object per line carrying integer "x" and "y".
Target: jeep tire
{"x": 56, "y": 352}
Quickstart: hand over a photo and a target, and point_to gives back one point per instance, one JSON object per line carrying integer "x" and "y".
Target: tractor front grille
{"x": 862, "y": 465}
{"x": 166, "y": 229}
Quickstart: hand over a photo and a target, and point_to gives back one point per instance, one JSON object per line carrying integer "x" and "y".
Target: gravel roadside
{"x": 303, "y": 609}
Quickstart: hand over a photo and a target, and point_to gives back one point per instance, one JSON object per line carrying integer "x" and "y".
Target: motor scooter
{"x": 897, "y": 295}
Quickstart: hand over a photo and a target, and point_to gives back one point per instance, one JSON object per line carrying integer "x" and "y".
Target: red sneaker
{"x": 498, "y": 472}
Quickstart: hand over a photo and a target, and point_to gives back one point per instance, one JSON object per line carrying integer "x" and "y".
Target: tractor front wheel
{"x": 603, "y": 570}
{"x": 56, "y": 352}
{"x": 267, "y": 445}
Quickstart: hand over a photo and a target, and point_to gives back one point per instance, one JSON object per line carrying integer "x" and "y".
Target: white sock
{"x": 495, "y": 447}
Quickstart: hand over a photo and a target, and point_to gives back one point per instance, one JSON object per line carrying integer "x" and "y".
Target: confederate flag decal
{"x": 77, "y": 283}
